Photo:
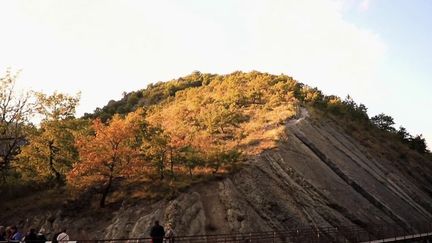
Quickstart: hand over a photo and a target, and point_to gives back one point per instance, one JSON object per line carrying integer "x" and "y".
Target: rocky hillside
{"x": 317, "y": 174}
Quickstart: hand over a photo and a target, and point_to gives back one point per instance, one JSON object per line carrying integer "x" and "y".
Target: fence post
{"x": 250, "y": 237}
{"x": 274, "y": 236}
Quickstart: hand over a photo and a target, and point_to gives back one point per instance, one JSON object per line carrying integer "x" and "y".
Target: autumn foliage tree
{"x": 109, "y": 153}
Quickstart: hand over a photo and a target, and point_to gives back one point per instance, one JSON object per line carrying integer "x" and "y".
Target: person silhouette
{"x": 169, "y": 234}
{"x": 63, "y": 237}
{"x": 157, "y": 233}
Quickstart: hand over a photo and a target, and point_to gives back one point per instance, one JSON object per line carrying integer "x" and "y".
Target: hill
{"x": 230, "y": 153}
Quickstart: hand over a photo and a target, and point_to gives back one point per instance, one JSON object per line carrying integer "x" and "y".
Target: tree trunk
{"x": 3, "y": 173}
{"x": 4, "y": 166}
{"x": 172, "y": 163}
{"x": 7, "y": 157}
{"x": 161, "y": 167}
{"x": 216, "y": 168}
{"x": 105, "y": 192}
{"x": 57, "y": 175}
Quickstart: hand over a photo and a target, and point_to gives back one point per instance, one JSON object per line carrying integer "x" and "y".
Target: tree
{"x": 418, "y": 143}
{"x": 50, "y": 150}
{"x": 358, "y": 112}
{"x": 312, "y": 96}
{"x": 15, "y": 112}
{"x": 107, "y": 154}
{"x": 383, "y": 122}
{"x": 189, "y": 157}
{"x": 222, "y": 157}
{"x": 403, "y": 134}
{"x": 57, "y": 106}
{"x": 217, "y": 118}
{"x": 156, "y": 149}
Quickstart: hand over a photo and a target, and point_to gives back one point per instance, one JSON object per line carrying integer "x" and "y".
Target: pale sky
{"x": 375, "y": 50}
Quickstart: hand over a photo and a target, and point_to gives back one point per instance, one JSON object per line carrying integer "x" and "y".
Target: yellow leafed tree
{"x": 50, "y": 150}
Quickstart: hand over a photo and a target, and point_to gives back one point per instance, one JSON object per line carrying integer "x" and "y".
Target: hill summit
{"x": 220, "y": 154}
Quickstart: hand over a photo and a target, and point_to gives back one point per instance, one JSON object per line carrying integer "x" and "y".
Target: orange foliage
{"x": 111, "y": 152}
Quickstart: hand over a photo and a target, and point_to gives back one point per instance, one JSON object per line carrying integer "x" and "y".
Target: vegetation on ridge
{"x": 169, "y": 134}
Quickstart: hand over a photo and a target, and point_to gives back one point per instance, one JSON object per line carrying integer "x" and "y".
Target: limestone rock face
{"x": 318, "y": 175}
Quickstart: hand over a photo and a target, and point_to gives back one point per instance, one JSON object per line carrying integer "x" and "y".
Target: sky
{"x": 377, "y": 51}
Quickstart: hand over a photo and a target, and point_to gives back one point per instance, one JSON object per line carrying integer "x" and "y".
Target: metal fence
{"x": 303, "y": 234}
{"x": 392, "y": 233}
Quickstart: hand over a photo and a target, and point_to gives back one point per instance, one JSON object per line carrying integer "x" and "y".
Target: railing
{"x": 369, "y": 233}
